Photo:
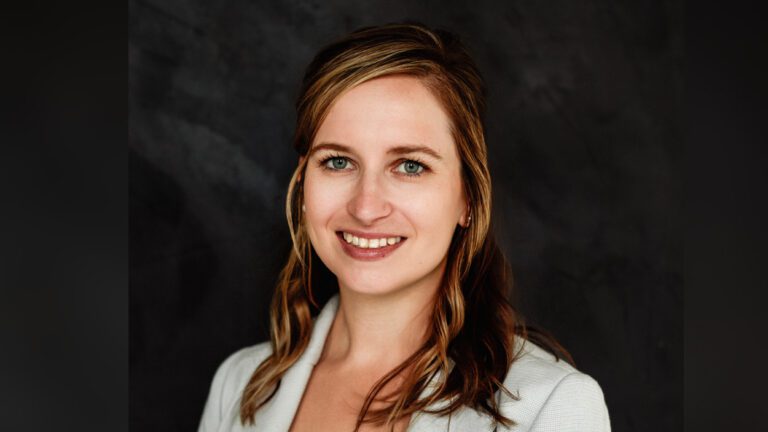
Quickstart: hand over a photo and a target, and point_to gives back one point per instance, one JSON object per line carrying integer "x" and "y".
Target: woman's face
{"x": 384, "y": 170}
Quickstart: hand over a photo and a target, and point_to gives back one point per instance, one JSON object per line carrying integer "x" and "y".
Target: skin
{"x": 385, "y": 304}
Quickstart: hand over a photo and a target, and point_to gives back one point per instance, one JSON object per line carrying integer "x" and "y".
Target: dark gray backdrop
{"x": 585, "y": 151}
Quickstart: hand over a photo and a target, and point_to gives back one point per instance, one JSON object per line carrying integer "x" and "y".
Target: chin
{"x": 370, "y": 284}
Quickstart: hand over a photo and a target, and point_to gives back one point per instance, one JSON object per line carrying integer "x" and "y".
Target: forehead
{"x": 388, "y": 111}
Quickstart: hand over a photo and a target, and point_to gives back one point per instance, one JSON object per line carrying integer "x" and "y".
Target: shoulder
{"x": 229, "y": 382}
{"x": 551, "y": 394}
{"x": 236, "y": 370}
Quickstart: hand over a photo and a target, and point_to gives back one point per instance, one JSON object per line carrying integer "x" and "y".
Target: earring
{"x": 469, "y": 217}
{"x": 303, "y": 208}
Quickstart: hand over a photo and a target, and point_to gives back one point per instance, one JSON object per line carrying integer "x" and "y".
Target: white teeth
{"x": 365, "y": 243}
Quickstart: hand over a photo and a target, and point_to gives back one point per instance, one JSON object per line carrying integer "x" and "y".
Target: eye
{"x": 335, "y": 163}
{"x": 410, "y": 168}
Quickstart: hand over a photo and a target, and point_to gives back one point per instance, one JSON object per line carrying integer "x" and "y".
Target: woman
{"x": 389, "y": 210}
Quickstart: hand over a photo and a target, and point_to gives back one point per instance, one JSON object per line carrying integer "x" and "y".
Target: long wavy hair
{"x": 474, "y": 325}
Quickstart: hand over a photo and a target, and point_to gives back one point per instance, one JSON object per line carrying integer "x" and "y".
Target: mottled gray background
{"x": 585, "y": 148}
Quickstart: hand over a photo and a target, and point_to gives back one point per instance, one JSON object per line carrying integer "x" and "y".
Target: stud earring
{"x": 303, "y": 208}
{"x": 469, "y": 216}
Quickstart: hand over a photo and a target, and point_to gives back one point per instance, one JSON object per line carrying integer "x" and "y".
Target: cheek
{"x": 434, "y": 209}
{"x": 322, "y": 199}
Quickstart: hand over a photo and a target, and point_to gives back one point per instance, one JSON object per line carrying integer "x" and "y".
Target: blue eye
{"x": 336, "y": 163}
{"x": 411, "y": 168}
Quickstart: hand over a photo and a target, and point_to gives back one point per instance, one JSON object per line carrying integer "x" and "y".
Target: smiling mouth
{"x": 368, "y": 249}
{"x": 369, "y": 243}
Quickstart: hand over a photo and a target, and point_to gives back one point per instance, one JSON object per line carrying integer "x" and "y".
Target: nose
{"x": 369, "y": 202}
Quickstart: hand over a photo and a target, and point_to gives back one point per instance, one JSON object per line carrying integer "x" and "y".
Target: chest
{"x": 332, "y": 402}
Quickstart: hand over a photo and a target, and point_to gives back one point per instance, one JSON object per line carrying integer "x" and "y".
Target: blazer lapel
{"x": 465, "y": 419}
{"x": 279, "y": 412}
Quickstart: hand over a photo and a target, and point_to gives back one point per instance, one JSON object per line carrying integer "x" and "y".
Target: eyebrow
{"x": 399, "y": 150}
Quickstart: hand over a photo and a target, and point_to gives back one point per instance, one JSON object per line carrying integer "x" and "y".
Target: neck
{"x": 379, "y": 331}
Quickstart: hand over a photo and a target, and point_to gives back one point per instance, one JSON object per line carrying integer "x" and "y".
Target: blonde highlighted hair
{"x": 473, "y": 324}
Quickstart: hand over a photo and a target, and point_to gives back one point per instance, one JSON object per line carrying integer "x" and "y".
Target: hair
{"x": 474, "y": 325}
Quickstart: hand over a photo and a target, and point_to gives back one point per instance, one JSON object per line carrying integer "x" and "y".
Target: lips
{"x": 369, "y": 252}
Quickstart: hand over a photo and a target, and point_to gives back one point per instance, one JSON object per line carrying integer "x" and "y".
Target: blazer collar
{"x": 277, "y": 415}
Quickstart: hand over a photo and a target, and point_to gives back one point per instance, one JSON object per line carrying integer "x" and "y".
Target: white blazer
{"x": 553, "y": 395}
